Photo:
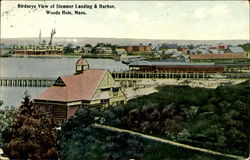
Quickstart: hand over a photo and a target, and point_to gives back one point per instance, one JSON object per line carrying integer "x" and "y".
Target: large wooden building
{"x": 136, "y": 48}
{"x": 39, "y": 50}
{"x": 87, "y": 88}
{"x": 175, "y": 67}
{"x": 220, "y": 58}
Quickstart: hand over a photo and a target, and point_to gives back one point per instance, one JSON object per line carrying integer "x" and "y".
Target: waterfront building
{"x": 169, "y": 47}
{"x": 220, "y": 58}
{"x": 104, "y": 50}
{"x": 136, "y": 48}
{"x": 39, "y": 50}
{"x": 120, "y": 51}
{"x": 87, "y": 88}
{"x": 175, "y": 67}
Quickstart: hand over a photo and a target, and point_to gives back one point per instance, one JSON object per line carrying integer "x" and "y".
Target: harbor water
{"x": 43, "y": 67}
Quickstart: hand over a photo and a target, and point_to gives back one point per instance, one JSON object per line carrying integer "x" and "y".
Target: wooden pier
{"x": 27, "y": 81}
{"x": 120, "y": 76}
{"x": 133, "y": 75}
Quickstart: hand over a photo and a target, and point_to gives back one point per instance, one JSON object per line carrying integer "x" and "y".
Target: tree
{"x": 191, "y": 46}
{"x": 79, "y": 140}
{"x": 88, "y": 45}
{"x": 6, "y": 121}
{"x": 122, "y": 146}
{"x": 32, "y": 134}
{"x": 68, "y": 48}
{"x": 76, "y": 139}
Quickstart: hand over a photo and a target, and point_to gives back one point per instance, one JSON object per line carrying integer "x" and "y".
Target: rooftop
{"x": 74, "y": 88}
{"x": 236, "y": 49}
{"x": 218, "y": 56}
{"x": 164, "y": 63}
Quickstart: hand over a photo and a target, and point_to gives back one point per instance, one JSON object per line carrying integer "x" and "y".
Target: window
{"x": 115, "y": 89}
{"x": 103, "y": 101}
{"x": 105, "y": 89}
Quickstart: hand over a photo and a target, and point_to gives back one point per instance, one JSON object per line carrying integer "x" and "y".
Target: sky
{"x": 184, "y": 20}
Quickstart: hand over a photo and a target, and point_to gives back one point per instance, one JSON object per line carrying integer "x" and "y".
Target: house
{"x": 136, "y": 48}
{"x": 120, "y": 51}
{"x": 183, "y": 49}
{"x": 235, "y": 50}
{"x": 87, "y": 88}
{"x": 170, "y": 47}
{"x": 105, "y": 50}
{"x": 214, "y": 51}
{"x": 87, "y": 49}
{"x": 203, "y": 51}
{"x": 192, "y": 51}
{"x": 220, "y": 47}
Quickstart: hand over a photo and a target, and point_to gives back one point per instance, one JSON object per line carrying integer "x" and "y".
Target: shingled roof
{"x": 76, "y": 87}
{"x": 218, "y": 56}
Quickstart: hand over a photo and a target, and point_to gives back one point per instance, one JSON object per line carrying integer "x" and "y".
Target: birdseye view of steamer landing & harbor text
{"x": 117, "y": 80}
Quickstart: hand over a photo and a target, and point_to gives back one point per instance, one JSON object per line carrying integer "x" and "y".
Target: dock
{"x": 27, "y": 81}
{"x": 123, "y": 77}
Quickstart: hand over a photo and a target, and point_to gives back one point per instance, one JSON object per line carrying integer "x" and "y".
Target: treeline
{"x": 245, "y": 47}
{"x": 217, "y": 119}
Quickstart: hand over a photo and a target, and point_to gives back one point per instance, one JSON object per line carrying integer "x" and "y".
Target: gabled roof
{"x": 120, "y": 51}
{"x": 236, "y": 49}
{"x": 77, "y": 87}
{"x": 218, "y": 56}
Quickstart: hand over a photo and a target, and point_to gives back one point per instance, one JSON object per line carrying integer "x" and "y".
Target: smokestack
{"x": 53, "y": 32}
{"x": 40, "y": 40}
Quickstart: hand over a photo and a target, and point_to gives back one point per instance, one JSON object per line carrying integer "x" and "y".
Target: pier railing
{"x": 27, "y": 81}
{"x": 121, "y": 76}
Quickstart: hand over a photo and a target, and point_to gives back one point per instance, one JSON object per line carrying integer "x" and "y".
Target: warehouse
{"x": 161, "y": 66}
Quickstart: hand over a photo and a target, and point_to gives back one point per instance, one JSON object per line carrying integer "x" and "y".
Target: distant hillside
{"x": 118, "y": 41}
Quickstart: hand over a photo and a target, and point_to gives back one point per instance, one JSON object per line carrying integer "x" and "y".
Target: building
{"x": 39, "y": 50}
{"x": 104, "y": 50}
{"x": 175, "y": 67}
{"x": 169, "y": 47}
{"x": 87, "y": 88}
{"x": 183, "y": 49}
{"x": 136, "y": 48}
{"x": 235, "y": 50}
{"x": 220, "y": 58}
{"x": 220, "y": 47}
{"x": 120, "y": 51}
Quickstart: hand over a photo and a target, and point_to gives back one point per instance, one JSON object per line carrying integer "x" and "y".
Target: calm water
{"x": 43, "y": 67}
